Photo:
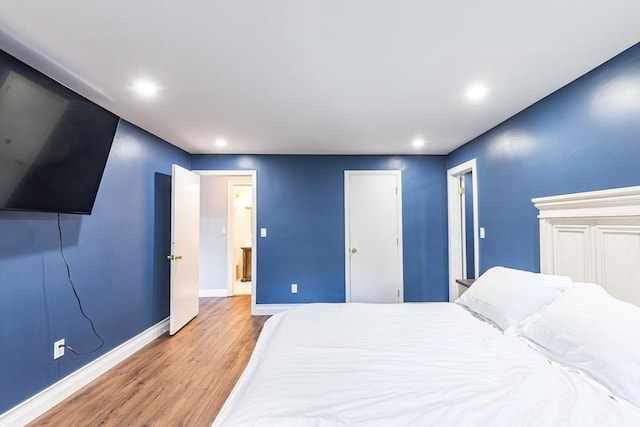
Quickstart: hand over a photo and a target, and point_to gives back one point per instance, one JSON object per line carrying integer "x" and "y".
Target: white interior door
{"x": 185, "y": 225}
{"x": 373, "y": 225}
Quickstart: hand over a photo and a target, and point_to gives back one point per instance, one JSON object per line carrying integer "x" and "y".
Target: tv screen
{"x": 54, "y": 143}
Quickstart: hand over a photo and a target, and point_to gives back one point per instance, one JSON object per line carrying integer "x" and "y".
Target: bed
{"x": 518, "y": 348}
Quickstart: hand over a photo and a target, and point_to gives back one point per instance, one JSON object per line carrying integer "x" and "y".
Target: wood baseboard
{"x": 40, "y": 403}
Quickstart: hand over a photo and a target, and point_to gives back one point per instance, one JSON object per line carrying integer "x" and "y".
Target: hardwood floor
{"x": 174, "y": 381}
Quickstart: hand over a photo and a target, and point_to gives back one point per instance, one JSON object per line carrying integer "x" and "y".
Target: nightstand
{"x": 465, "y": 282}
{"x": 463, "y": 285}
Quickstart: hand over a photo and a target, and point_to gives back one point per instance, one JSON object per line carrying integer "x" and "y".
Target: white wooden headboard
{"x": 593, "y": 237}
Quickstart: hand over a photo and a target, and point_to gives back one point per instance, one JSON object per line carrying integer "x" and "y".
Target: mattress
{"x": 408, "y": 365}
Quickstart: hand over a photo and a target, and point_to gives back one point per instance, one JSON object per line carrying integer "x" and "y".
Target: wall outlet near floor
{"x": 58, "y": 349}
{"x": 294, "y": 288}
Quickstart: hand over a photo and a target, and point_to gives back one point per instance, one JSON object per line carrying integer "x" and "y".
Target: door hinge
{"x": 461, "y": 190}
{"x": 397, "y": 241}
{"x": 398, "y": 294}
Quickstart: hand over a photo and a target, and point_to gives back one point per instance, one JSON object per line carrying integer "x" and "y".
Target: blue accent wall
{"x": 301, "y": 203}
{"x": 583, "y": 137}
{"x": 116, "y": 259}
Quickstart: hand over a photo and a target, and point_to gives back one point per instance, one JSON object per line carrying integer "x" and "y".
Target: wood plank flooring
{"x": 174, "y": 381}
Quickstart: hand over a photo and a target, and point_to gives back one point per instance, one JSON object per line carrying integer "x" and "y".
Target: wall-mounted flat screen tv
{"x": 54, "y": 143}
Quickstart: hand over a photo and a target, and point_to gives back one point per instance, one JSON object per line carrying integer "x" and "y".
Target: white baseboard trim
{"x": 40, "y": 403}
{"x": 269, "y": 309}
{"x": 215, "y": 293}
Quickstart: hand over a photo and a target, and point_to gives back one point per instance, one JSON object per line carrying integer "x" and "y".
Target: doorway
{"x": 240, "y": 237}
{"x": 373, "y": 236}
{"x": 468, "y": 225}
{"x": 464, "y": 254}
{"x": 227, "y": 234}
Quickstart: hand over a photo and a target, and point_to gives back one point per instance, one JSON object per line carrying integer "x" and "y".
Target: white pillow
{"x": 506, "y": 296}
{"x": 587, "y": 329}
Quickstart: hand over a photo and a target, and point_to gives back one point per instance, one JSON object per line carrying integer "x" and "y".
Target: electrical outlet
{"x": 294, "y": 288}
{"x": 58, "y": 349}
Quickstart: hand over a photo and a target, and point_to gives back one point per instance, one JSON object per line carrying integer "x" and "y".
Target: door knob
{"x": 354, "y": 250}
{"x": 173, "y": 257}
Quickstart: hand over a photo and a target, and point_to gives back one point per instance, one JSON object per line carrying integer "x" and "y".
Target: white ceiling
{"x": 317, "y": 77}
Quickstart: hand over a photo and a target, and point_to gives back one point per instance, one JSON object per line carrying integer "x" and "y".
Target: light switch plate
{"x": 482, "y": 232}
{"x": 263, "y": 232}
{"x": 294, "y": 288}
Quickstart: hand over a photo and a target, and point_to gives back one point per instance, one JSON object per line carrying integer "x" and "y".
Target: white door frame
{"x": 254, "y": 228}
{"x": 456, "y": 249}
{"x": 347, "y": 264}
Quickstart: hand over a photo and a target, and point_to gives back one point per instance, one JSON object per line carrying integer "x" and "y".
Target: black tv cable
{"x": 75, "y": 293}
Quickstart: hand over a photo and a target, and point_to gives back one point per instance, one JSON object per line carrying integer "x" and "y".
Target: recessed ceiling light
{"x": 418, "y": 142}
{"x": 477, "y": 92}
{"x": 146, "y": 88}
{"x": 220, "y": 143}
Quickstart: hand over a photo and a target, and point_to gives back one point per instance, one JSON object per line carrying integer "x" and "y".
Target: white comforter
{"x": 427, "y": 364}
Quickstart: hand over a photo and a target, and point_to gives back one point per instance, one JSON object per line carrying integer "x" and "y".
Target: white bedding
{"x": 423, "y": 364}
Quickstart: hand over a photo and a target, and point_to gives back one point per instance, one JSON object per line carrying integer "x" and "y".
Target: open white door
{"x": 185, "y": 229}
